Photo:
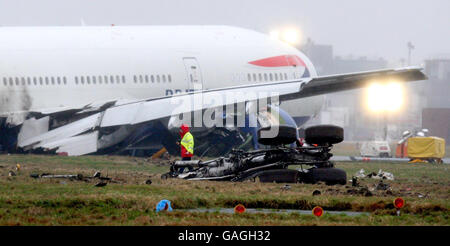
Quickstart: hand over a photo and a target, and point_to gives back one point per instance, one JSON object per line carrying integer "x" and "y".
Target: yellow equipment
{"x": 426, "y": 148}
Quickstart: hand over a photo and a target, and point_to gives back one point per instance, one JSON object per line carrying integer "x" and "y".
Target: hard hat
{"x": 184, "y": 128}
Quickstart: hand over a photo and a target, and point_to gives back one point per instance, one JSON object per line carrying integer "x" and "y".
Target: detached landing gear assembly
{"x": 271, "y": 164}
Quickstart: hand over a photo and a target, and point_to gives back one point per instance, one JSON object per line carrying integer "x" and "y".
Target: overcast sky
{"x": 377, "y": 28}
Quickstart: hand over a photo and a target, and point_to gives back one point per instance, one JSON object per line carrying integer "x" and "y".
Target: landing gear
{"x": 271, "y": 164}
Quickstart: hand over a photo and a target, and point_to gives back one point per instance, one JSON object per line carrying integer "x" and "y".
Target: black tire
{"x": 286, "y": 135}
{"x": 278, "y": 176}
{"x": 330, "y": 176}
{"x": 324, "y": 134}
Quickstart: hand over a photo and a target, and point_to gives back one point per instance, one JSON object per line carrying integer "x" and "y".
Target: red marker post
{"x": 399, "y": 203}
{"x": 239, "y": 209}
{"x": 317, "y": 211}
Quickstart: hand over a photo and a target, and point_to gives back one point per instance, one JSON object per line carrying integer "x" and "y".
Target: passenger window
{"x": 100, "y": 79}
{"x": 285, "y": 76}
{"x": 157, "y": 78}
{"x": 65, "y": 80}
{"x": 41, "y": 81}
{"x": 11, "y": 83}
{"x": 123, "y": 79}
{"x": 146, "y": 78}
{"x": 249, "y": 77}
{"x": 271, "y": 77}
{"x": 276, "y": 77}
{"x": 169, "y": 78}
{"x": 28, "y": 80}
{"x": 118, "y": 79}
{"x": 34, "y": 81}
{"x": 5, "y": 82}
{"x": 23, "y": 81}
{"x": 153, "y": 79}
{"x": 260, "y": 77}
{"x": 164, "y": 78}
{"x": 58, "y": 80}
{"x": 111, "y": 79}
{"x": 53, "y": 80}
{"x": 94, "y": 80}
{"x": 141, "y": 79}
{"x": 106, "y": 79}
{"x": 82, "y": 80}
{"x": 135, "y": 78}
{"x": 88, "y": 79}
{"x": 265, "y": 77}
{"x": 76, "y": 80}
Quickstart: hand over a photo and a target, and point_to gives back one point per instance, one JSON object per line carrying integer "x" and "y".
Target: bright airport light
{"x": 385, "y": 97}
{"x": 289, "y": 35}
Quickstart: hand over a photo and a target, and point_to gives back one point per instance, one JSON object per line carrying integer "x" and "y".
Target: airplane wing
{"x": 342, "y": 82}
{"x": 146, "y": 110}
{"x": 82, "y": 136}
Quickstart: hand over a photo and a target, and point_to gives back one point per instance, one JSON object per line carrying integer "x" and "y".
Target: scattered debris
{"x": 385, "y": 175}
{"x": 148, "y": 181}
{"x": 286, "y": 187}
{"x": 372, "y": 175}
{"x": 11, "y": 173}
{"x": 361, "y": 191}
{"x": 316, "y": 193}
{"x": 382, "y": 186}
{"x": 360, "y": 174}
{"x": 101, "y": 184}
{"x": 80, "y": 177}
{"x": 355, "y": 182}
{"x": 379, "y": 175}
{"x": 62, "y": 176}
{"x": 18, "y": 167}
{"x": 368, "y": 193}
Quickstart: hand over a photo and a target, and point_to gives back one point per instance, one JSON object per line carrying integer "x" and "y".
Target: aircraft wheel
{"x": 286, "y": 135}
{"x": 278, "y": 176}
{"x": 324, "y": 134}
{"x": 330, "y": 176}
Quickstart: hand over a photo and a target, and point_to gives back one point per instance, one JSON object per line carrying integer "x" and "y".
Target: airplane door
{"x": 194, "y": 75}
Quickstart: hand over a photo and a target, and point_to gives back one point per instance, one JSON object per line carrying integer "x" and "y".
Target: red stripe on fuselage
{"x": 280, "y": 61}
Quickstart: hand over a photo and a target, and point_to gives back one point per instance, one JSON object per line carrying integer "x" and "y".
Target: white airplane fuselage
{"x": 45, "y": 68}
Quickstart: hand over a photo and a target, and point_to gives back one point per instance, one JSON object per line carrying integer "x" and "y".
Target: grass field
{"x": 129, "y": 201}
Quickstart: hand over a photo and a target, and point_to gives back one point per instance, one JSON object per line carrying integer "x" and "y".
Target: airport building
{"x": 436, "y": 113}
